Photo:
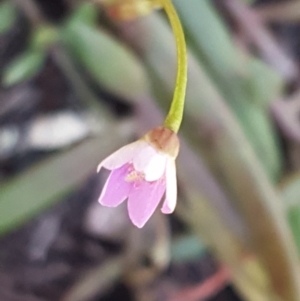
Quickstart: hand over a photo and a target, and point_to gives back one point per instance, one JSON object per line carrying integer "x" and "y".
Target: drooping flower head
{"x": 143, "y": 172}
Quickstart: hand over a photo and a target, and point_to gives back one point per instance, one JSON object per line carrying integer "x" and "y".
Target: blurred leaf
{"x": 24, "y": 196}
{"x": 43, "y": 36}
{"x": 247, "y": 84}
{"x": 8, "y": 16}
{"x": 290, "y": 192}
{"x": 229, "y": 68}
{"x": 110, "y": 63}
{"x": 294, "y": 220}
{"x": 86, "y": 13}
{"x": 187, "y": 248}
{"x": 23, "y": 67}
{"x": 263, "y": 84}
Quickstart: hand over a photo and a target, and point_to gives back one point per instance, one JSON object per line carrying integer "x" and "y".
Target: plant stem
{"x": 174, "y": 117}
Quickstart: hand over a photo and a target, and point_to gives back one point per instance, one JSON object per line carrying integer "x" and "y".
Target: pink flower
{"x": 142, "y": 172}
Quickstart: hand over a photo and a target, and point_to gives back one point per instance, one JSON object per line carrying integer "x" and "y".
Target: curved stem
{"x": 174, "y": 117}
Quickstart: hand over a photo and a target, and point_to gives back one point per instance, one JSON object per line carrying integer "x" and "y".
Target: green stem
{"x": 174, "y": 117}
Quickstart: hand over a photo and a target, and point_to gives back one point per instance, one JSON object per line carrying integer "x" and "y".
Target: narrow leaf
{"x": 110, "y": 63}
{"x": 23, "y": 68}
{"x": 8, "y": 16}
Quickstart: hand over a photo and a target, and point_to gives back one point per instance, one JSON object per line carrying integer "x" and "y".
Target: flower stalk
{"x": 174, "y": 117}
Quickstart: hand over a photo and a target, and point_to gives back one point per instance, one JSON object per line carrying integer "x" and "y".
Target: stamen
{"x": 133, "y": 175}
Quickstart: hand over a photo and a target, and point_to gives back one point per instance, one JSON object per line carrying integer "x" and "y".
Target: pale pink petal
{"x": 123, "y": 155}
{"x": 143, "y": 158}
{"x": 143, "y": 199}
{"x": 116, "y": 189}
{"x": 156, "y": 167}
{"x": 171, "y": 188}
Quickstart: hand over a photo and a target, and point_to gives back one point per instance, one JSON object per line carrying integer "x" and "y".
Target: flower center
{"x": 134, "y": 175}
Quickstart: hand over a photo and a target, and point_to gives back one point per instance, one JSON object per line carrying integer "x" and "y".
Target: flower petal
{"x": 171, "y": 188}
{"x": 143, "y": 199}
{"x": 156, "y": 167}
{"x": 143, "y": 158}
{"x": 116, "y": 189}
{"x": 123, "y": 155}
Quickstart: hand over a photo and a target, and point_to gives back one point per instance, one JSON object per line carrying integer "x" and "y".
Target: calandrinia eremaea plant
{"x": 145, "y": 170}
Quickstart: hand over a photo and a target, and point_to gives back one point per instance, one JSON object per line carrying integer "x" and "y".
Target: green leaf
{"x": 294, "y": 221}
{"x": 290, "y": 193}
{"x": 262, "y": 83}
{"x": 109, "y": 62}
{"x": 86, "y": 13}
{"x": 8, "y": 16}
{"x": 43, "y": 36}
{"x": 43, "y": 185}
{"x": 23, "y": 67}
